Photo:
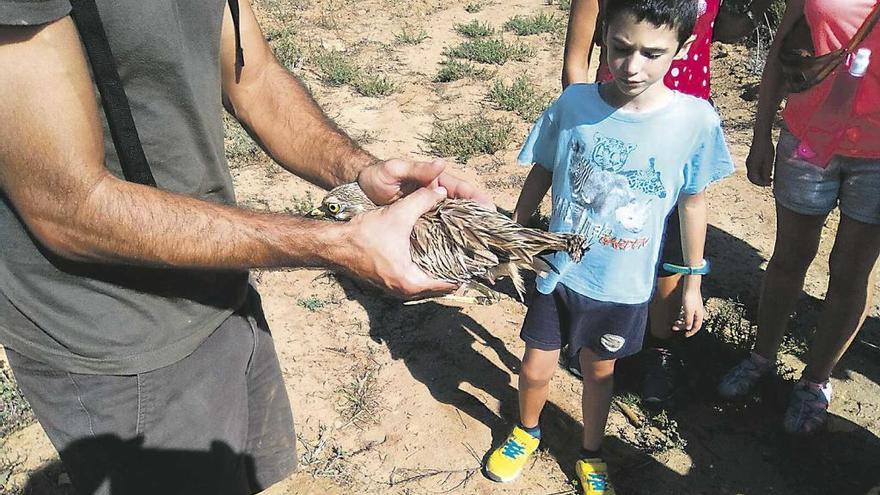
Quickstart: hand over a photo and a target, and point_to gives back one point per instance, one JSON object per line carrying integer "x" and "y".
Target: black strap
{"x": 122, "y": 128}
{"x": 135, "y": 167}
{"x": 239, "y": 53}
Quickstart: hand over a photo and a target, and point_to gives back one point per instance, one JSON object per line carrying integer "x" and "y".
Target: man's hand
{"x": 691, "y": 319}
{"x": 386, "y": 182}
{"x": 376, "y": 246}
{"x": 759, "y": 163}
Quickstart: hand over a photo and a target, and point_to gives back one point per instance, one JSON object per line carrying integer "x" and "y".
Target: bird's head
{"x": 343, "y": 203}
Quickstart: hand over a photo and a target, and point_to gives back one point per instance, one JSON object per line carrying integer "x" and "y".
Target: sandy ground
{"x": 407, "y": 399}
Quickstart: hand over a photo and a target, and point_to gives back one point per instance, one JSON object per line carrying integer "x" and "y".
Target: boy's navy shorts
{"x": 610, "y": 330}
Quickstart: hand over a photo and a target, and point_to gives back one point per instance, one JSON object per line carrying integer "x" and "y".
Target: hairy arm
{"x": 52, "y": 170}
{"x": 536, "y": 186}
{"x": 278, "y": 111}
{"x": 579, "y": 41}
{"x": 692, "y": 214}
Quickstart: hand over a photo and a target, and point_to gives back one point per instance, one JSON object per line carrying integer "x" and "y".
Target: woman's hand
{"x": 759, "y": 163}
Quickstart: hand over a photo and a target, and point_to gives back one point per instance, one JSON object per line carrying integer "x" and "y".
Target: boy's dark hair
{"x": 680, "y": 15}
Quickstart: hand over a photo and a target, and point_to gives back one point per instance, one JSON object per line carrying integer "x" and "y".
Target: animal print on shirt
{"x": 646, "y": 180}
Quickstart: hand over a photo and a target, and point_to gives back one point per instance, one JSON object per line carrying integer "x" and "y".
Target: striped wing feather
{"x": 460, "y": 240}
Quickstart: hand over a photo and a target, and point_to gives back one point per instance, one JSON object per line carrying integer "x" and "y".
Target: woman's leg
{"x": 797, "y": 241}
{"x": 850, "y": 289}
{"x": 538, "y": 367}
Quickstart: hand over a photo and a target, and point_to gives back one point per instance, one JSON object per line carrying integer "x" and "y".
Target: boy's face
{"x": 640, "y": 53}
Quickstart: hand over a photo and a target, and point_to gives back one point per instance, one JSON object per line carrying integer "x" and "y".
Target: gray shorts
{"x": 853, "y": 184}
{"x": 216, "y": 422}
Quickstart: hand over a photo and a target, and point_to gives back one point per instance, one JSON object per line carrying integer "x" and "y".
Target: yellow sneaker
{"x": 593, "y": 475}
{"x": 507, "y": 461}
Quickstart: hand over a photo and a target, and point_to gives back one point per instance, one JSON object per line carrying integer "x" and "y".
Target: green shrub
{"x": 466, "y": 138}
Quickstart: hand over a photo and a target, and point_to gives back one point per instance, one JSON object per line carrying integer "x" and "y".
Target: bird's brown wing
{"x": 461, "y": 239}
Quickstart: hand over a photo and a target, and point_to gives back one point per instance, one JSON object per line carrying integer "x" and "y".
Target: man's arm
{"x": 579, "y": 41}
{"x": 692, "y": 215}
{"x": 537, "y": 183}
{"x": 279, "y": 112}
{"x": 52, "y": 170}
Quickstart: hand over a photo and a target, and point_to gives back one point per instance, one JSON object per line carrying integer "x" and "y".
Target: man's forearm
{"x": 286, "y": 121}
{"x": 124, "y": 223}
{"x": 279, "y": 112}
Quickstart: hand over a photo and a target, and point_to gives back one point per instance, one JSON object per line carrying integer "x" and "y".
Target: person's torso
{"x": 616, "y": 177}
{"x": 690, "y": 75}
{"x": 832, "y": 25}
{"x": 114, "y": 319}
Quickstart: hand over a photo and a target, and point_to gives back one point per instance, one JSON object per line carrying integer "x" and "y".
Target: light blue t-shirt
{"x": 616, "y": 176}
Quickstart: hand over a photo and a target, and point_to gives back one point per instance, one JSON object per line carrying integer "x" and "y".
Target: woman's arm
{"x": 579, "y": 41}
{"x": 772, "y": 90}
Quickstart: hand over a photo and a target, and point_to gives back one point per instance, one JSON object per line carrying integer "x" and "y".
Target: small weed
{"x": 474, "y": 29}
{"x": 336, "y": 68}
{"x": 410, "y": 37}
{"x": 464, "y": 139}
{"x": 302, "y": 206}
{"x": 15, "y": 412}
{"x": 374, "y": 85}
{"x": 325, "y": 461}
{"x": 312, "y": 303}
{"x": 490, "y": 51}
{"x": 521, "y": 97}
{"x": 453, "y": 70}
{"x": 474, "y": 7}
{"x": 360, "y": 398}
{"x": 565, "y": 5}
{"x": 536, "y": 24}
{"x": 239, "y": 146}
{"x": 287, "y": 51}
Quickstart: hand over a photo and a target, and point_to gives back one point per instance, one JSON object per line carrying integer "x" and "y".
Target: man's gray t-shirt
{"x": 119, "y": 320}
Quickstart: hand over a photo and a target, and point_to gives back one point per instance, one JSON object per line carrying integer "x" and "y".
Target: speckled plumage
{"x": 460, "y": 240}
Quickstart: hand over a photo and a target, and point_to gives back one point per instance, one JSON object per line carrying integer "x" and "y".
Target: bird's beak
{"x": 316, "y": 213}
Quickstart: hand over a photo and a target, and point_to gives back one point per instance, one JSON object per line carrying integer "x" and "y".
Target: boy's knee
{"x": 595, "y": 370}
{"x": 536, "y": 372}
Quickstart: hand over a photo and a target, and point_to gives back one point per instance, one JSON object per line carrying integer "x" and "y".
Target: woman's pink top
{"x": 689, "y": 75}
{"x": 833, "y": 23}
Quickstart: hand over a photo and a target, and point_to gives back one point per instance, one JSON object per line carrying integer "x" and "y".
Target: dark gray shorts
{"x": 216, "y": 422}
{"x": 852, "y": 184}
{"x": 566, "y": 318}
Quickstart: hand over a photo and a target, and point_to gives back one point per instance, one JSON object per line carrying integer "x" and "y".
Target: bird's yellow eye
{"x": 333, "y": 208}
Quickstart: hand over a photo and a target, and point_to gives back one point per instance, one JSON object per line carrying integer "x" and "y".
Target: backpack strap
{"x": 122, "y": 127}
{"x": 123, "y": 130}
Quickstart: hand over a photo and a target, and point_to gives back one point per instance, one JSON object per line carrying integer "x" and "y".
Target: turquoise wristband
{"x": 703, "y": 269}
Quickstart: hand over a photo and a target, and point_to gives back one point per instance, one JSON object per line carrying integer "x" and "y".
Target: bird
{"x": 461, "y": 241}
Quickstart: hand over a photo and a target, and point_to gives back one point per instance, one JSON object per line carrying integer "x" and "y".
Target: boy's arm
{"x": 533, "y": 191}
{"x": 579, "y": 41}
{"x": 692, "y": 213}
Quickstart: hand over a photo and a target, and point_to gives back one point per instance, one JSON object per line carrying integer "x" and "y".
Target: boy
{"x": 618, "y": 155}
